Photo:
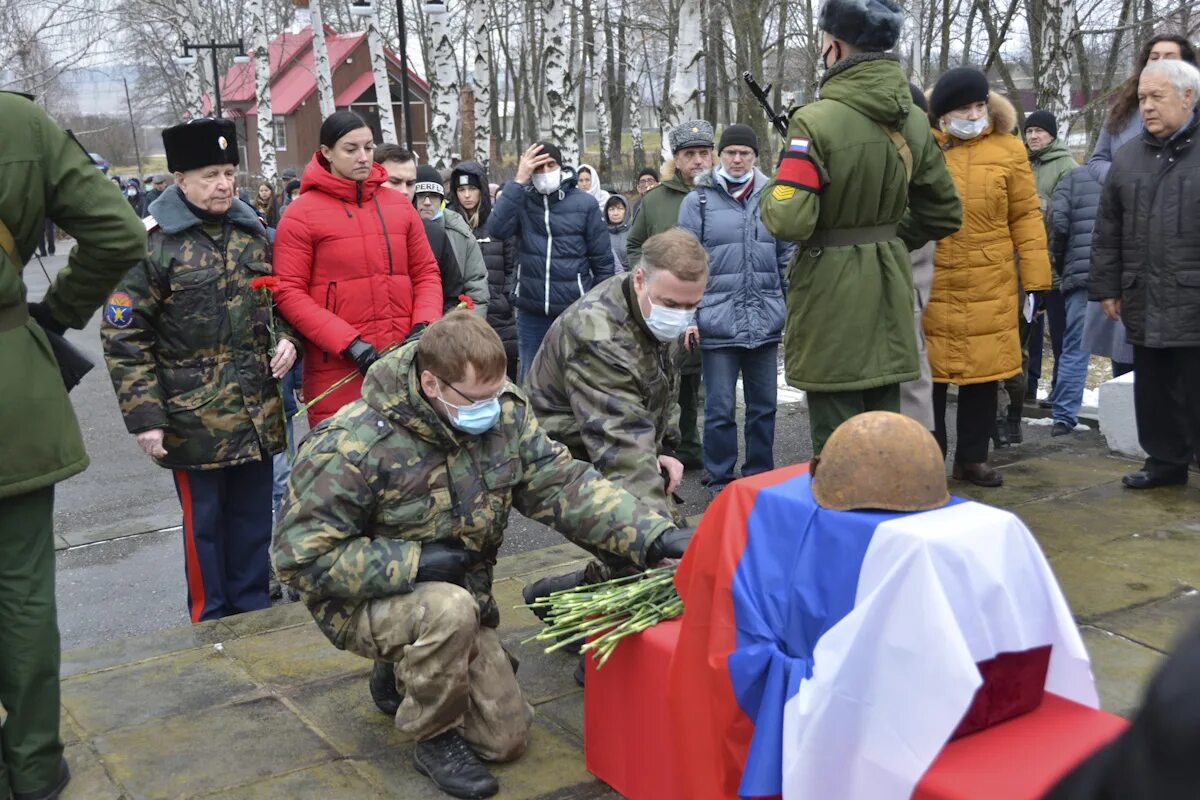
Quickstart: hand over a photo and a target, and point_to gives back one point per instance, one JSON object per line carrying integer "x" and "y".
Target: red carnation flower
{"x": 466, "y": 302}
{"x": 268, "y": 282}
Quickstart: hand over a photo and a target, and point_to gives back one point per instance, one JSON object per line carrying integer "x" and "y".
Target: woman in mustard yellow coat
{"x": 971, "y": 320}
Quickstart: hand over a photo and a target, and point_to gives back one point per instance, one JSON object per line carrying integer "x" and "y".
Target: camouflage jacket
{"x": 606, "y": 388}
{"x": 386, "y": 473}
{"x": 187, "y": 341}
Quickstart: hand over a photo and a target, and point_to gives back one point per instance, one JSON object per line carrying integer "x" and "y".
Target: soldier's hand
{"x": 151, "y": 443}
{"x": 285, "y": 357}
{"x": 671, "y": 545}
{"x": 674, "y": 468}
{"x": 363, "y": 354}
{"x": 445, "y": 562}
{"x": 691, "y": 337}
{"x": 415, "y": 333}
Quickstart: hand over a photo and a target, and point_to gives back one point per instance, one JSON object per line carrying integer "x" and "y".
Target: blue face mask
{"x": 668, "y": 324}
{"x": 730, "y": 179}
{"x": 476, "y": 418}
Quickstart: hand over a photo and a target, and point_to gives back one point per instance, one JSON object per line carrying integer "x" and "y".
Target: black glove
{"x": 443, "y": 561}
{"x": 42, "y": 316}
{"x": 671, "y": 544}
{"x": 362, "y": 354}
{"x": 416, "y": 332}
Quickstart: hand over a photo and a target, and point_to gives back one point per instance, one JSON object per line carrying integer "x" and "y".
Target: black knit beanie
{"x": 956, "y": 88}
{"x": 1044, "y": 120}
{"x": 552, "y": 151}
{"x": 742, "y": 135}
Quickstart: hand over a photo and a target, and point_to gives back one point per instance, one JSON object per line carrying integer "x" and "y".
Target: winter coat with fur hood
{"x": 971, "y": 320}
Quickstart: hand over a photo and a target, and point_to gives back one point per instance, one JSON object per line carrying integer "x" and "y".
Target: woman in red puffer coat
{"x": 356, "y": 273}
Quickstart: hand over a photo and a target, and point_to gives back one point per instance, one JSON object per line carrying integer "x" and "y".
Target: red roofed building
{"x": 294, "y": 103}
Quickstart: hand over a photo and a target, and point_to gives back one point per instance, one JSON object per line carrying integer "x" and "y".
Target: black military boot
{"x": 52, "y": 791}
{"x": 1000, "y": 433}
{"x": 452, "y": 765}
{"x": 548, "y": 586}
{"x": 383, "y": 688}
{"x": 1016, "y": 434}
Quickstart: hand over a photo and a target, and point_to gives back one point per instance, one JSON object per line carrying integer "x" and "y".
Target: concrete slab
{"x": 335, "y": 780}
{"x": 211, "y": 750}
{"x": 292, "y": 656}
{"x": 130, "y": 695}
{"x": 89, "y": 781}
{"x": 128, "y": 651}
{"x": 342, "y": 710}
{"x": 1169, "y": 552}
{"x": 1122, "y": 669}
{"x": 1094, "y": 588}
{"x": 1157, "y": 624}
{"x": 543, "y": 676}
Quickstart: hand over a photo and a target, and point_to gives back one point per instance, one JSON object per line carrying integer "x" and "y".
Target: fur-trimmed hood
{"x": 1001, "y": 115}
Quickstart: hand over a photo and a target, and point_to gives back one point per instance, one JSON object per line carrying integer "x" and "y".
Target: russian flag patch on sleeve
{"x": 798, "y": 146}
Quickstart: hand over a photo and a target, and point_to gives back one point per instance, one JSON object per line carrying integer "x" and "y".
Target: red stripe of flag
{"x": 195, "y": 577}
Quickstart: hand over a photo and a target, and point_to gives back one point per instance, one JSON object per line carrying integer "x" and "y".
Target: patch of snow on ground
{"x": 1046, "y": 422}
{"x": 1091, "y": 397}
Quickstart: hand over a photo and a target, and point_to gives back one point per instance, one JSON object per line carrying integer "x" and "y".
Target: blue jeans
{"x": 758, "y": 368}
{"x": 1072, "y": 364}
{"x": 531, "y": 329}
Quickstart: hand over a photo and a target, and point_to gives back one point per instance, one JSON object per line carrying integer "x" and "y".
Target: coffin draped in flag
{"x": 833, "y": 654}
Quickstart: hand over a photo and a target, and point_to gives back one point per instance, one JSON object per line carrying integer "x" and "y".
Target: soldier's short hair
{"x": 676, "y": 251}
{"x": 393, "y": 152}
{"x": 458, "y": 339}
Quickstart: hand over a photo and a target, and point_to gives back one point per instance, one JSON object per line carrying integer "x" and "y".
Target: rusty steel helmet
{"x": 880, "y": 460}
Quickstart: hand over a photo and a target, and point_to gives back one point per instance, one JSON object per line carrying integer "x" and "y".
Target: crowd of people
{"x": 462, "y": 349}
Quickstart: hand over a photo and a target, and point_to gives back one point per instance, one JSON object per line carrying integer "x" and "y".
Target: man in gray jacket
{"x": 1146, "y": 269}
{"x": 454, "y": 245}
{"x": 742, "y": 314}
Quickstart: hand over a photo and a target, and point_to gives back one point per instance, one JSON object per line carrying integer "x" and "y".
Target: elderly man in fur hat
{"x": 849, "y": 339}
{"x": 194, "y": 352}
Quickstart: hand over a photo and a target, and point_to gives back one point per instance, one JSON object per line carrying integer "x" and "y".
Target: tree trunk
{"x": 444, "y": 91}
{"x": 713, "y": 83}
{"x": 262, "y": 91}
{"x": 685, "y": 82}
{"x": 560, "y": 90}
{"x": 321, "y": 60}
{"x": 483, "y": 78}
{"x": 618, "y": 60}
{"x": 1053, "y": 78}
{"x": 635, "y": 126}
{"x": 194, "y": 76}
{"x": 383, "y": 87}
{"x": 599, "y": 97}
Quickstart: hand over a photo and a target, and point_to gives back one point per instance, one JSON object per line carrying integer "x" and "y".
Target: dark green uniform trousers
{"x": 828, "y": 410}
{"x": 30, "y": 747}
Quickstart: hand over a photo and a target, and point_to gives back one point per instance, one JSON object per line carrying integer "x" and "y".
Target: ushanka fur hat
{"x": 871, "y": 25}
{"x": 200, "y": 143}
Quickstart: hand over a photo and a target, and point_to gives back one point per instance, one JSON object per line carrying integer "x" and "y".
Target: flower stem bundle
{"x": 608, "y": 612}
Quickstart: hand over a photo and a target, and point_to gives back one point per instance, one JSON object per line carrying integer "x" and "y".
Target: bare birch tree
{"x": 600, "y": 98}
{"x": 685, "y": 80}
{"x": 444, "y": 88}
{"x": 260, "y": 45}
{"x": 383, "y": 84}
{"x": 481, "y": 81}
{"x": 324, "y": 75}
{"x": 560, "y": 88}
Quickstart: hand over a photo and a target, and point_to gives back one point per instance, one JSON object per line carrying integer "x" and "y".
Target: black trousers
{"x": 976, "y": 416}
{"x": 1166, "y": 402}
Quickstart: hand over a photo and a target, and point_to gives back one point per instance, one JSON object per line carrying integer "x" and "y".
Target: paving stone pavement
{"x": 261, "y": 706}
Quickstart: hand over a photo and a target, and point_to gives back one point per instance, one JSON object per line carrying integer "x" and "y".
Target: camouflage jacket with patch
{"x": 386, "y": 474}
{"x": 606, "y": 388}
{"x": 187, "y": 342}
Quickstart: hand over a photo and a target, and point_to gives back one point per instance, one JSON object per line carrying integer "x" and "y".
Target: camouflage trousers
{"x": 452, "y": 672}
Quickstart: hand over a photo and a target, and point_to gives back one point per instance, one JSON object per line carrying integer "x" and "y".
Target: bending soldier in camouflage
{"x": 605, "y": 382}
{"x": 189, "y": 351}
{"x": 390, "y": 529}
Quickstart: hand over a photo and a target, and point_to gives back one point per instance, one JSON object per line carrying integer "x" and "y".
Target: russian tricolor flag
{"x": 831, "y": 654}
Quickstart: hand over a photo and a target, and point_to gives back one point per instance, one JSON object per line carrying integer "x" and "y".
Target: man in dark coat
{"x": 469, "y": 197}
{"x": 563, "y": 244}
{"x": 1146, "y": 269}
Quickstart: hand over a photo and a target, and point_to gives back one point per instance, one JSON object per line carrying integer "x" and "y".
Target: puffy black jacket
{"x": 1073, "y": 219}
{"x": 1146, "y": 249}
{"x": 563, "y": 247}
{"x": 499, "y": 255}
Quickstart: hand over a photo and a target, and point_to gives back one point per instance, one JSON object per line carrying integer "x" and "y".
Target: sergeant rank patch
{"x": 118, "y": 311}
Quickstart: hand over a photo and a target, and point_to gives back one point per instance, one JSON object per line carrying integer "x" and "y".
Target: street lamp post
{"x": 212, "y": 47}
{"x": 408, "y": 139}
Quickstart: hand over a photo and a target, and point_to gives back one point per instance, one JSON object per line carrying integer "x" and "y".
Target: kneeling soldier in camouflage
{"x": 391, "y": 525}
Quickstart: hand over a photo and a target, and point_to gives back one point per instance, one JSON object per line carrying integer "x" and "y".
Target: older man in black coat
{"x": 1146, "y": 268}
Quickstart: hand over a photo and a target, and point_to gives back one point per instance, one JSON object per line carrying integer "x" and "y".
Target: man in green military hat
{"x": 195, "y": 353}
{"x": 44, "y": 175}
{"x": 391, "y": 526}
{"x": 861, "y": 182}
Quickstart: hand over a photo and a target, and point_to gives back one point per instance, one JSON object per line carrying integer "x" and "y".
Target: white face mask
{"x": 548, "y": 182}
{"x": 965, "y": 128}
